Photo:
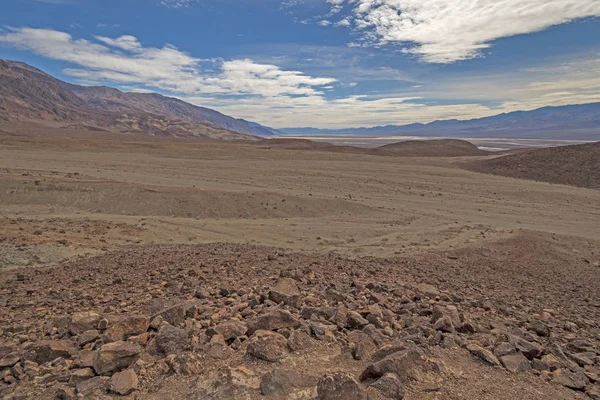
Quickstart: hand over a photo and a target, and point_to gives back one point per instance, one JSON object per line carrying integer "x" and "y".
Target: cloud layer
{"x": 446, "y": 31}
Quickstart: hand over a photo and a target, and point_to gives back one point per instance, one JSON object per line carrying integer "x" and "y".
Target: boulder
{"x": 530, "y": 350}
{"x": 389, "y": 386}
{"x": 115, "y": 356}
{"x": 172, "y": 340}
{"x": 400, "y": 363}
{"x": 84, "y": 321}
{"x": 124, "y": 382}
{"x": 9, "y": 360}
{"x": 299, "y": 341}
{"x": 516, "y": 363}
{"x": 572, "y": 380}
{"x": 229, "y": 330}
{"x": 355, "y": 320}
{"x": 273, "y": 320}
{"x": 268, "y": 346}
{"x": 286, "y": 291}
{"x": 90, "y": 386}
{"x": 483, "y": 354}
{"x": 123, "y": 327}
{"x": 280, "y": 383}
{"x": 48, "y": 350}
{"x": 340, "y": 386}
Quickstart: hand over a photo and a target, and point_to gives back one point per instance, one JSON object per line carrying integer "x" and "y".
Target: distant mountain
{"x": 29, "y": 94}
{"x": 567, "y": 122}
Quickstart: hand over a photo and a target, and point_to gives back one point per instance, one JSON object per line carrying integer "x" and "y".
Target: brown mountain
{"x": 30, "y": 95}
{"x": 577, "y": 165}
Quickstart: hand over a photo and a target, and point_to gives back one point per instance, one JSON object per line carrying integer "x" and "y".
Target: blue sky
{"x": 320, "y": 63}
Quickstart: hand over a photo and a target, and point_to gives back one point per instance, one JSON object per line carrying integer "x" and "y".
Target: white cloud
{"x": 446, "y": 31}
{"x": 324, "y": 22}
{"x": 125, "y": 60}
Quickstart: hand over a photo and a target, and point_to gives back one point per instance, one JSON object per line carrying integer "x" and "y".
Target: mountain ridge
{"x": 27, "y": 93}
{"x": 577, "y": 121}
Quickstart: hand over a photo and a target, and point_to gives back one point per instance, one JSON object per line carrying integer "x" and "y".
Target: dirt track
{"x": 509, "y": 249}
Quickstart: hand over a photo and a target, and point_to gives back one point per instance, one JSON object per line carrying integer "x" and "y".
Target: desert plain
{"x": 488, "y": 285}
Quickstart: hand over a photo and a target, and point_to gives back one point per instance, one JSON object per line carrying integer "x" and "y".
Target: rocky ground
{"x": 226, "y": 321}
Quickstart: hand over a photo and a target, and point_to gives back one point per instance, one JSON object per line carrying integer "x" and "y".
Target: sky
{"x": 320, "y": 63}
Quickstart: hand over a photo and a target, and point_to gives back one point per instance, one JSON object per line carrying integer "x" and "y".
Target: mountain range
{"x": 581, "y": 122}
{"x": 28, "y": 94}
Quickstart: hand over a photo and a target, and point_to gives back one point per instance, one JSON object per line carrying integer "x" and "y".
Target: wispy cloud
{"x": 446, "y": 31}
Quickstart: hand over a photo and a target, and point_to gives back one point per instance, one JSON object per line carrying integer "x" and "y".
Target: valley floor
{"x": 116, "y": 226}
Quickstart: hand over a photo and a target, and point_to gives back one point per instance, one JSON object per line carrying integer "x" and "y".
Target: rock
{"x": 516, "y": 363}
{"x": 115, "y": 356}
{"x": 229, "y": 330}
{"x": 90, "y": 386}
{"x": 400, "y": 363}
{"x": 572, "y": 380}
{"x": 281, "y": 383}
{"x": 322, "y": 332}
{"x": 268, "y": 346}
{"x": 124, "y": 327}
{"x": 124, "y": 382}
{"x": 174, "y": 315}
{"x": 444, "y": 324}
{"x": 363, "y": 347}
{"x": 483, "y": 354}
{"x": 84, "y": 321}
{"x": 286, "y": 291}
{"x": 241, "y": 377}
{"x": 583, "y": 359}
{"x": 87, "y": 337}
{"x": 318, "y": 313}
{"x": 172, "y": 340}
{"x": 594, "y": 392}
{"x": 80, "y": 375}
{"x": 299, "y": 341}
{"x": 539, "y": 328}
{"x": 548, "y": 362}
{"x": 389, "y": 386}
{"x": 355, "y": 320}
{"x": 278, "y": 319}
{"x": 529, "y": 349}
{"x": 504, "y": 349}
{"x": 340, "y": 386}
{"x": 9, "y": 360}
{"x": 48, "y": 350}
{"x": 187, "y": 364}
{"x": 427, "y": 290}
{"x": 59, "y": 392}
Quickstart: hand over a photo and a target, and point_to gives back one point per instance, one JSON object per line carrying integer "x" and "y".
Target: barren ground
{"x": 76, "y": 214}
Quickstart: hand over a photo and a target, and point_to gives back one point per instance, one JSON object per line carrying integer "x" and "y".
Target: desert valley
{"x": 150, "y": 249}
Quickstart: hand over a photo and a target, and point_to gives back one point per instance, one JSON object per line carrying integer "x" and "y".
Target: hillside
{"x": 577, "y": 165}
{"x": 566, "y": 122}
{"x": 28, "y": 94}
{"x": 429, "y": 148}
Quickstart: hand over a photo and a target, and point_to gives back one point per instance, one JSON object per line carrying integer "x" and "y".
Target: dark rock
{"x": 529, "y": 349}
{"x": 277, "y": 319}
{"x": 172, "y": 340}
{"x": 400, "y": 363}
{"x": 286, "y": 291}
{"x": 115, "y": 356}
{"x": 355, "y": 320}
{"x": 123, "y": 327}
{"x": 340, "y": 386}
{"x": 84, "y": 321}
{"x": 539, "y": 327}
{"x": 299, "y": 341}
{"x": 389, "y": 386}
{"x": 516, "y": 363}
{"x": 268, "y": 346}
{"x": 229, "y": 330}
{"x": 9, "y": 360}
{"x": 48, "y": 350}
{"x": 572, "y": 380}
{"x": 92, "y": 385}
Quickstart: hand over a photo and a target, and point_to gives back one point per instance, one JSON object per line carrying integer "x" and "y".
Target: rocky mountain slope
{"x": 28, "y": 94}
